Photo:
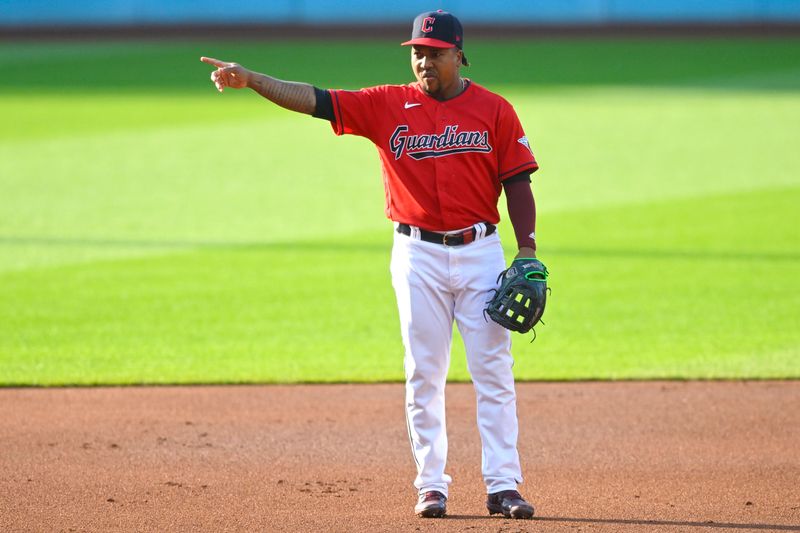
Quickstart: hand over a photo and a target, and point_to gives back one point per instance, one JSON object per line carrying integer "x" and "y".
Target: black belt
{"x": 447, "y": 239}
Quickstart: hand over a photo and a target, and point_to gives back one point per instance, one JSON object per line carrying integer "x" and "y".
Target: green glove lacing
{"x": 534, "y": 275}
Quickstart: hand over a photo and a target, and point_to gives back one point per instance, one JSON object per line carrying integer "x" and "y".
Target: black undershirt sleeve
{"x": 522, "y": 176}
{"x": 324, "y": 107}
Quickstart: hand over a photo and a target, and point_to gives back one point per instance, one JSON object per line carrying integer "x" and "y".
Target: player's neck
{"x": 451, "y": 91}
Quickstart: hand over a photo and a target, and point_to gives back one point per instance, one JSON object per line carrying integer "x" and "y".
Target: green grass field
{"x": 155, "y": 231}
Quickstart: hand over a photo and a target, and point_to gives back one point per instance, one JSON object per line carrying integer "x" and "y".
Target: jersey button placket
{"x": 448, "y": 189}
{"x": 440, "y": 169}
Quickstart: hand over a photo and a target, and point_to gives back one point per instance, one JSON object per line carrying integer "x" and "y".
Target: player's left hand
{"x": 231, "y": 75}
{"x": 525, "y": 252}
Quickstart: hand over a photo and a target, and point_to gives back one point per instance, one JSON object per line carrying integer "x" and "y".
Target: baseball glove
{"x": 518, "y": 304}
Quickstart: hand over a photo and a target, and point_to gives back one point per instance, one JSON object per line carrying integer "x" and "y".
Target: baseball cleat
{"x": 432, "y": 504}
{"x": 510, "y": 504}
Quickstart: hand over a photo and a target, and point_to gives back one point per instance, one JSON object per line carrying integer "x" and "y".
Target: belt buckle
{"x": 446, "y": 235}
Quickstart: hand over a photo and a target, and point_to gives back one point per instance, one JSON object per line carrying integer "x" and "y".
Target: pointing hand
{"x": 230, "y": 75}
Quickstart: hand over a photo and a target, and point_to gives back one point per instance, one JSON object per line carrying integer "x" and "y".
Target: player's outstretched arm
{"x": 291, "y": 95}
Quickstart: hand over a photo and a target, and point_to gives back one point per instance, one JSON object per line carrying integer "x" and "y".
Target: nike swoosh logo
{"x": 408, "y": 105}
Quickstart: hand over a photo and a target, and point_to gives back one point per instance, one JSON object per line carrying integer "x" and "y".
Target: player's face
{"x": 437, "y": 69}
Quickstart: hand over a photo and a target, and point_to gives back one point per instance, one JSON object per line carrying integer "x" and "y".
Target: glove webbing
{"x": 514, "y": 304}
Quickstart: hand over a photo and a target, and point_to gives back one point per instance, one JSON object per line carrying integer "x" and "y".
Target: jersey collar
{"x": 418, "y": 86}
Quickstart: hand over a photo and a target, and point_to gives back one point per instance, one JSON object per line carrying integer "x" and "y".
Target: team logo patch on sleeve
{"x": 449, "y": 142}
{"x": 524, "y": 142}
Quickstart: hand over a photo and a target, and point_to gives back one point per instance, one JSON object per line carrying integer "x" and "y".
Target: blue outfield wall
{"x": 49, "y": 12}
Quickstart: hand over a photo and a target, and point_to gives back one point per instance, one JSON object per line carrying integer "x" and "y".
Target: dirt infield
{"x": 656, "y": 456}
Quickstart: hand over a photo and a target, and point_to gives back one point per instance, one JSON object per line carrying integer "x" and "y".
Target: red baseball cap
{"x": 438, "y": 29}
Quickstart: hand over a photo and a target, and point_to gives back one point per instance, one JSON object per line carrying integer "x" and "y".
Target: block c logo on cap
{"x": 427, "y": 24}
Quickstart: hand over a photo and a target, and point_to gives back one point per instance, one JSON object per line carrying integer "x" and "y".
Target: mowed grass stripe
{"x": 325, "y": 312}
{"x": 700, "y": 288}
{"x": 204, "y": 316}
{"x": 252, "y": 182}
{"x": 242, "y": 178}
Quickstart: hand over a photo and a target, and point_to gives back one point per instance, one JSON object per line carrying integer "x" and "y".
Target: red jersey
{"x": 443, "y": 162}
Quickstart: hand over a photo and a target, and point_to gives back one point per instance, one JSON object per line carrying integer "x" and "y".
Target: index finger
{"x": 216, "y": 62}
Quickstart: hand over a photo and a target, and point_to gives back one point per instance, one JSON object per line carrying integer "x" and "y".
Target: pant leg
{"x": 489, "y": 360}
{"x": 425, "y": 305}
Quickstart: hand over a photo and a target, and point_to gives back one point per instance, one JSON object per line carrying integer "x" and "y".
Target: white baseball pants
{"x": 435, "y": 285}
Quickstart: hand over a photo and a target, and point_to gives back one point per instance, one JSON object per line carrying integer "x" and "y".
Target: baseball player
{"x": 448, "y": 147}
